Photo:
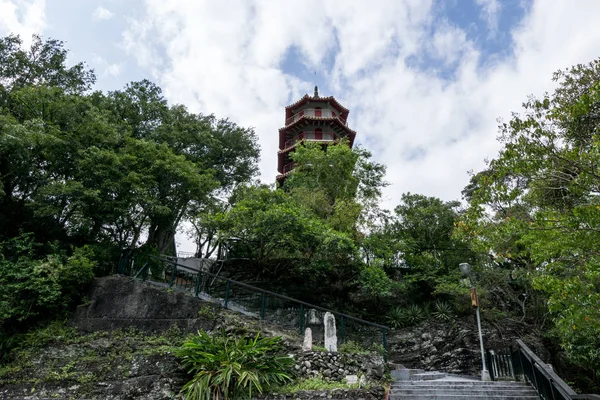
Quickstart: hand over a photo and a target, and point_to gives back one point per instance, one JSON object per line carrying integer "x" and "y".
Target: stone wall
{"x": 377, "y": 393}
{"x": 335, "y": 366}
{"x": 121, "y": 302}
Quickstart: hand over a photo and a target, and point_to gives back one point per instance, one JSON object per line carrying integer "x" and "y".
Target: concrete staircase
{"x": 421, "y": 385}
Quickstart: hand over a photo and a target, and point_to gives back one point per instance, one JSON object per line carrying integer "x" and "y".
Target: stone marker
{"x": 330, "y": 334}
{"x": 313, "y": 319}
{"x": 362, "y": 381}
{"x": 307, "y": 345}
{"x": 351, "y": 379}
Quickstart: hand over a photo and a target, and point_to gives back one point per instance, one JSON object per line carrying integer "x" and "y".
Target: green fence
{"x": 253, "y": 301}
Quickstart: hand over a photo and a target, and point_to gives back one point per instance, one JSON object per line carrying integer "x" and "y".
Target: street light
{"x": 465, "y": 270}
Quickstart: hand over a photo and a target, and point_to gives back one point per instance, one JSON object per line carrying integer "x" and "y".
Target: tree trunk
{"x": 161, "y": 236}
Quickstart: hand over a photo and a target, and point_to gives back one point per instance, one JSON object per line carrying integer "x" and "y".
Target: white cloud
{"x": 449, "y": 43}
{"x": 114, "y": 69}
{"x": 98, "y": 63}
{"x": 101, "y": 13}
{"x": 22, "y": 17}
{"x": 490, "y": 12}
{"x": 429, "y": 129}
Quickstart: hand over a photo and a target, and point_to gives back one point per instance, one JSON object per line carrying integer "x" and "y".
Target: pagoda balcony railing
{"x": 312, "y": 112}
{"x": 288, "y": 168}
{"x": 308, "y": 137}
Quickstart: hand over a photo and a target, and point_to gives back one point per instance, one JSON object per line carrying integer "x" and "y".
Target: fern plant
{"x": 225, "y": 367}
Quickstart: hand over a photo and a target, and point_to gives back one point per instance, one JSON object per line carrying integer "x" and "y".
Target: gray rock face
{"x": 119, "y": 302}
{"x": 450, "y": 347}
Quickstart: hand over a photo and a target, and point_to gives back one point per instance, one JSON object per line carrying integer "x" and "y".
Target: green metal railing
{"x": 519, "y": 362}
{"x": 251, "y": 300}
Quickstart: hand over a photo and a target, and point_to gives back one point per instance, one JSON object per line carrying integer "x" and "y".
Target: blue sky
{"x": 425, "y": 80}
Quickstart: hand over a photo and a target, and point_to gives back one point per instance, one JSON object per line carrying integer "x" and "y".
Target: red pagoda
{"x": 311, "y": 119}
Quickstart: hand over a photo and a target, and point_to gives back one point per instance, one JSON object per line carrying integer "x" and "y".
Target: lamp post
{"x": 465, "y": 270}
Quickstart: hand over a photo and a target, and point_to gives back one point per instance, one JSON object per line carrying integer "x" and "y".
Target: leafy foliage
{"x": 81, "y": 168}
{"x": 536, "y": 207}
{"x": 232, "y": 368}
{"x": 32, "y": 289}
{"x": 310, "y": 229}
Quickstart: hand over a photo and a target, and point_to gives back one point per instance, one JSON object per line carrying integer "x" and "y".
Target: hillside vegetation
{"x": 84, "y": 174}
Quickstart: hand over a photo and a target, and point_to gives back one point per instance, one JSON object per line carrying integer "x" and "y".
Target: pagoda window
{"x": 328, "y": 136}
{"x": 317, "y": 111}
{"x": 309, "y": 135}
{"x": 318, "y": 134}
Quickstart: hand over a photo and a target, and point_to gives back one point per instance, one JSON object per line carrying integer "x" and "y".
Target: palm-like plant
{"x": 227, "y": 367}
{"x": 396, "y": 318}
{"x": 415, "y": 314}
{"x": 442, "y": 311}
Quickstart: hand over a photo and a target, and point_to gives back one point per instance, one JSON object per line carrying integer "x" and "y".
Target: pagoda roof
{"x": 307, "y": 118}
{"x": 306, "y": 98}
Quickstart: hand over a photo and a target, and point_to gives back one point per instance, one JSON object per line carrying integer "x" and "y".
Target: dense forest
{"x": 84, "y": 174}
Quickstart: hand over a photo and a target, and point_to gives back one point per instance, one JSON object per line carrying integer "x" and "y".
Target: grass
{"x": 316, "y": 383}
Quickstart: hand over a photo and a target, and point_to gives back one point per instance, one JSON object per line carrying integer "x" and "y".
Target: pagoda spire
{"x": 316, "y": 91}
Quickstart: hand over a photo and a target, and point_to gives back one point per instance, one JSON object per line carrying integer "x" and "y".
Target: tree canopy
{"x": 536, "y": 207}
{"x": 83, "y": 167}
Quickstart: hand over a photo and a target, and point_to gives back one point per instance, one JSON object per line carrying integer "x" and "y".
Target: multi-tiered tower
{"x": 314, "y": 119}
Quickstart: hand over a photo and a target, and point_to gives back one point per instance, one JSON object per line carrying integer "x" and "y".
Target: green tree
{"x": 536, "y": 207}
{"x": 44, "y": 63}
{"x": 338, "y": 183}
{"x": 430, "y": 255}
{"x": 224, "y": 153}
{"x": 81, "y": 167}
{"x": 311, "y": 229}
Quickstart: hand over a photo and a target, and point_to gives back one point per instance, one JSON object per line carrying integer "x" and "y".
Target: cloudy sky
{"x": 425, "y": 80}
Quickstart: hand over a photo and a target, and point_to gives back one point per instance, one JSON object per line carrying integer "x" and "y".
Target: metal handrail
{"x": 143, "y": 272}
{"x": 523, "y": 362}
{"x": 547, "y": 374}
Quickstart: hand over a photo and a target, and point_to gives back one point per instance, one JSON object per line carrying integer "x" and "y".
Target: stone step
{"x": 448, "y": 389}
{"x": 405, "y": 374}
{"x": 498, "y": 396}
{"x": 465, "y": 391}
{"x": 421, "y": 385}
{"x": 469, "y": 384}
{"x": 428, "y": 376}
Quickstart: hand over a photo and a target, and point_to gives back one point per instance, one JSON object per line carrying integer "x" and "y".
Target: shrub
{"x": 225, "y": 367}
{"x": 39, "y": 289}
{"x": 351, "y": 347}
